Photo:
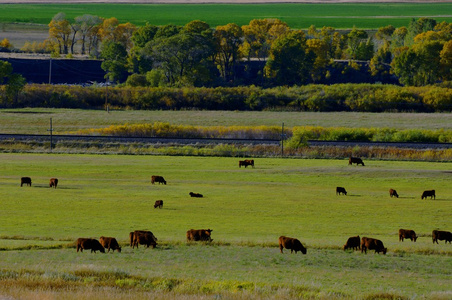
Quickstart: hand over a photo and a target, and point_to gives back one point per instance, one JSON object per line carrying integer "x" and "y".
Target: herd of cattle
{"x": 147, "y": 238}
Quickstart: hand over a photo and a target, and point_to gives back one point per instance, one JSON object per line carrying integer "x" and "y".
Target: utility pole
{"x": 282, "y": 140}
{"x": 50, "y": 71}
{"x": 51, "y": 135}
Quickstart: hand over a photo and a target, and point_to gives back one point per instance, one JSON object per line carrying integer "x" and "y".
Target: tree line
{"x": 197, "y": 55}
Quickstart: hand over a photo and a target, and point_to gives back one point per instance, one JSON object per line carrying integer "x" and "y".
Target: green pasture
{"x": 248, "y": 209}
{"x": 37, "y": 120}
{"x": 296, "y": 15}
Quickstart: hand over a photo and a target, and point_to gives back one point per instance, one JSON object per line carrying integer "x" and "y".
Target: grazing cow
{"x": 372, "y": 244}
{"x": 393, "y": 193}
{"x": 246, "y": 163}
{"x": 196, "y": 195}
{"x": 353, "y": 242}
{"x": 109, "y": 243}
{"x": 290, "y": 244}
{"x": 355, "y": 160}
{"x": 340, "y": 190}
{"x": 142, "y": 237}
{"x": 53, "y": 182}
{"x": 407, "y": 234}
{"x": 25, "y": 180}
{"x": 158, "y": 179}
{"x": 199, "y": 235}
{"x": 430, "y": 194}
{"x": 86, "y": 243}
{"x": 442, "y": 235}
{"x": 158, "y": 203}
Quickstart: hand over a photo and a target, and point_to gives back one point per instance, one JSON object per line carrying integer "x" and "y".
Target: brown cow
{"x": 246, "y": 163}
{"x": 158, "y": 179}
{"x": 86, "y": 243}
{"x": 26, "y": 181}
{"x": 196, "y": 195}
{"x": 355, "y": 160}
{"x": 340, "y": 190}
{"x": 199, "y": 235}
{"x": 109, "y": 243}
{"x": 291, "y": 244}
{"x": 430, "y": 193}
{"x": 407, "y": 234}
{"x": 158, "y": 203}
{"x": 353, "y": 242}
{"x": 372, "y": 244}
{"x": 393, "y": 193}
{"x": 143, "y": 237}
{"x": 442, "y": 235}
{"x": 53, "y": 182}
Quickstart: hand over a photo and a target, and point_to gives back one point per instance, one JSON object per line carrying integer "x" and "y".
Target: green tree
{"x": 228, "y": 39}
{"x": 115, "y": 59}
{"x": 16, "y": 84}
{"x": 355, "y": 39}
{"x": 290, "y": 61}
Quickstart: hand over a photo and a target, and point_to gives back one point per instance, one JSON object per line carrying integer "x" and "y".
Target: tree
{"x": 59, "y": 31}
{"x": 167, "y": 31}
{"x": 143, "y": 35}
{"x": 16, "y": 84}
{"x": 290, "y": 61}
{"x": 354, "y": 41}
{"x": 115, "y": 58}
{"x": 398, "y": 37}
{"x": 87, "y": 25}
{"x": 5, "y": 45}
{"x": 228, "y": 39}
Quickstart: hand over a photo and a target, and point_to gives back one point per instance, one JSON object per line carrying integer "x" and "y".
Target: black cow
{"x": 340, "y": 190}
{"x": 246, "y": 163}
{"x": 353, "y": 242}
{"x": 196, "y": 195}
{"x": 87, "y": 243}
{"x": 442, "y": 235}
{"x": 430, "y": 193}
{"x": 158, "y": 179}
{"x": 355, "y": 160}
{"x": 26, "y": 181}
{"x": 158, "y": 203}
{"x": 53, "y": 182}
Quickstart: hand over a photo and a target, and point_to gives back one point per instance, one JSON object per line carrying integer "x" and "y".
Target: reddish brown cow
{"x": 196, "y": 195}
{"x": 355, "y": 160}
{"x": 246, "y": 163}
{"x": 142, "y": 237}
{"x": 158, "y": 179}
{"x": 291, "y": 244}
{"x": 87, "y": 243}
{"x": 430, "y": 193}
{"x": 340, "y": 190}
{"x": 53, "y": 182}
{"x": 199, "y": 235}
{"x": 353, "y": 242}
{"x": 442, "y": 235}
{"x": 158, "y": 203}
{"x": 407, "y": 234}
{"x": 110, "y": 243}
{"x": 26, "y": 181}
{"x": 393, "y": 193}
{"x": 372, "y": 244}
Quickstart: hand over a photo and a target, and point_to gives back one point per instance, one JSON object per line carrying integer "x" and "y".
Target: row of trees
{"x": 198, "y": 55}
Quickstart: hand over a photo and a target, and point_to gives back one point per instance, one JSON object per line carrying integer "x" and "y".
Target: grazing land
{"x": 37, "y": 120}
{"x": 248, "y": 209}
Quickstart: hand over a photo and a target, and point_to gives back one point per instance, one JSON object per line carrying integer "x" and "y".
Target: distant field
{"x": 246, "y": 208}
{"x": 37, "y": 121}
{"x": 297, "y": 15}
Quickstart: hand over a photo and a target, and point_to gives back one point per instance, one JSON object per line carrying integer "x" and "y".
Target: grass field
{"x": 37, "y": 120}
{"x": 298, "y": 16}
{"x": 246, "y": 208}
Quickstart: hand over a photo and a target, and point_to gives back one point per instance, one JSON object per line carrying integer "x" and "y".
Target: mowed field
{"x": 248, "y": 209}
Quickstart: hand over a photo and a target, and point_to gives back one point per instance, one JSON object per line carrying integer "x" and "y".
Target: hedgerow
{"x": 339, "y": 97}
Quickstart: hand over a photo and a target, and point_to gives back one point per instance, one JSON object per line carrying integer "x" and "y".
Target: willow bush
{"x": 338, "y": 97}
